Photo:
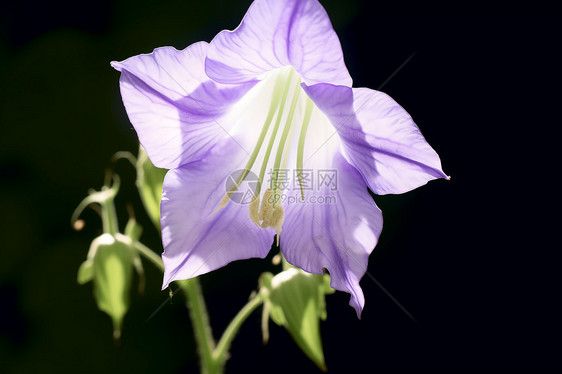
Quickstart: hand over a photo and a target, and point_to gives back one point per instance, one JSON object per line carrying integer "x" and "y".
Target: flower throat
{"x": 268, "y": 212}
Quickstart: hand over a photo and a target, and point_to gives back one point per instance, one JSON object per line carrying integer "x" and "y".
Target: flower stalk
{"x": 109, "y": 217}
{"x": 223, "y": 346}
{"x": 105, "y": 198}
{"x": 202, "y": 329}
{"x": 213, "y": 358}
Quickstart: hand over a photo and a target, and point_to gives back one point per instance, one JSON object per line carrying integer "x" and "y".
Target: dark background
{"x": 469, "y": 259}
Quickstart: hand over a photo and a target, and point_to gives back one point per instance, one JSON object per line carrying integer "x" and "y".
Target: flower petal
{"x": 336, "y": 230}
{"x": 277, "y": 33}
{"x": 380, "y": 138}
{"x": 195, "y": 241}
{"x": 175, "y": 109}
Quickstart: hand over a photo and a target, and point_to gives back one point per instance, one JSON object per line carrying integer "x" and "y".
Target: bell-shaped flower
{"x": 269, "y": 109}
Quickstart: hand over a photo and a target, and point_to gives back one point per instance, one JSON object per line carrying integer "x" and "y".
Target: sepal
{"x": 85, "y": 272}
{"x": 295, "y": 300}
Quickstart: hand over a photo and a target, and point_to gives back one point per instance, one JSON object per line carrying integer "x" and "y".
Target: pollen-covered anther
{"x": 254, "y": 210}
{"x": 277, "y": 220}
{"x": 266, "y": 208}
{"x": 270, "y": 213}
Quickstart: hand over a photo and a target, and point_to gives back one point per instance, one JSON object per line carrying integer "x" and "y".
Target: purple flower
{"x": 272, "y": 97}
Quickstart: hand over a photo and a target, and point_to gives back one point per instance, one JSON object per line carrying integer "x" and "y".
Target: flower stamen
{"x": 274, "y": 132}
{"x": 268, "y": 212}
{"x": 300, "y": 150}
{"x": 281, "y": 146}
{"x": 276, "y": 103}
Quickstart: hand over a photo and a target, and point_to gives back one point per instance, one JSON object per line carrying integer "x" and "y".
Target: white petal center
{"x": 287, "y": 136}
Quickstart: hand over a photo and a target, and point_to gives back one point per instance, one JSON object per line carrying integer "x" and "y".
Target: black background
{"x": 471, "y": 259}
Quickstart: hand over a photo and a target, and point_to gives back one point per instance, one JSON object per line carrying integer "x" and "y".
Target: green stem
{"x": 109, "y": 217}
{"x": 212, "y": 359}
{"x": 150, "y": 255}
{"x": 197, "y": 312}
{"x": 202, "y": 329}
{"x": 223, "y": 346}
{"x": 107, "y": 203}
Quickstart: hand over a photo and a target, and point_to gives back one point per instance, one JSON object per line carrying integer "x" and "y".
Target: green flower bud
{"x": 112, "y": 268}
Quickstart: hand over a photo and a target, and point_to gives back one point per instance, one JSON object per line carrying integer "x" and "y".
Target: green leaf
{"x": 113, "y": 270}
{"x": 295, "y": 300}
{"x": 149, "y": 183}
